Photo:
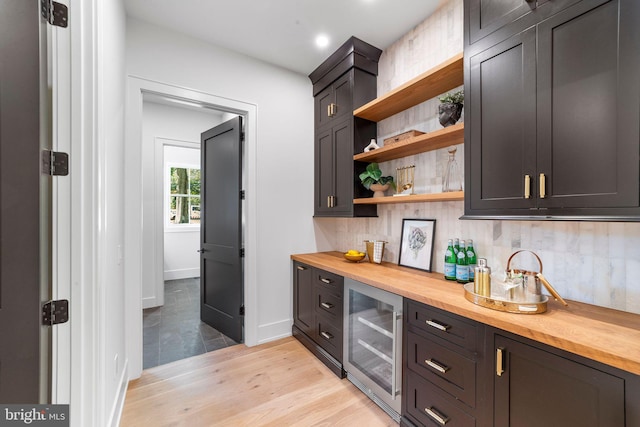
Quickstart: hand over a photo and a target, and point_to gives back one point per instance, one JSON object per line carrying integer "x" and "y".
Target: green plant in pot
{"x": 450, "y": 108}
{"x": 372, "y": 179}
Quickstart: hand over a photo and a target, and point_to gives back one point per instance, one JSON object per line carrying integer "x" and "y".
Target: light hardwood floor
{"x": 275, "y": 384}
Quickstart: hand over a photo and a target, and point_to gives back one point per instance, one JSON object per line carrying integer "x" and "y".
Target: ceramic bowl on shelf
{"x": 354, "y": 257}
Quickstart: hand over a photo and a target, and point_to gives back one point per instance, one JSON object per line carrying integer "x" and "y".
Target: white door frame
{"x": 136, "y": 87}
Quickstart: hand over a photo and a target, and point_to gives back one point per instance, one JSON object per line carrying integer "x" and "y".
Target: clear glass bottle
{"x": 452, "y": 179}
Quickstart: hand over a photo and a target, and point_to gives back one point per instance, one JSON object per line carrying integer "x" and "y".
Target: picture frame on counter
{"x": 416, "y": 243}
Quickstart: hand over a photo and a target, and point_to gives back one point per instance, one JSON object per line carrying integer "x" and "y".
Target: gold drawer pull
{"x": 327, "y": 281}
{"x": 437, "y": 416}
{"x": 301, "y": 268}
{"x": 326, "y": 305}
{"x": 437, "y": 365}
{"x": 438, "y": 325}
{"x": 326, "y": 335}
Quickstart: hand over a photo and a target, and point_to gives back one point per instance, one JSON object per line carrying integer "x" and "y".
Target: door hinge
{"x": 55, "y": 163}
{"x": 55, "y": 312}
{"x": 54, "y": 13}
{"x": 242, "y": 310}
{"x": 242, "y": 253}
{"x": 242, "y": 195}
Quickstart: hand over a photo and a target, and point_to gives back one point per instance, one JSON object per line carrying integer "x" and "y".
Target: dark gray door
{"x": 221, "y": 266}
{"x": 19, "y": 202}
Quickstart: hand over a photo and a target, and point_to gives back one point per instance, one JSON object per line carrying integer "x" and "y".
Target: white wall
{"x": 284, "y": 150}
{"x": 166, "y": 125}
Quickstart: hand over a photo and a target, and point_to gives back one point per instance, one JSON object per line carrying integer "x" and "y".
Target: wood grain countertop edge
{"x": 609, "y": 336}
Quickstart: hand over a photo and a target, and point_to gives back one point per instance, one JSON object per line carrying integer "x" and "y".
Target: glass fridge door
{"x": 372, "y": 332}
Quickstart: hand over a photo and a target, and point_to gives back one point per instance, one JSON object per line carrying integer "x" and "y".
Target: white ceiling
{"x": 282, "y": 32}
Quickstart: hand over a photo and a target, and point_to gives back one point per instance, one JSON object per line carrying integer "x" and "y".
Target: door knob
{"x": 201, "y": 250}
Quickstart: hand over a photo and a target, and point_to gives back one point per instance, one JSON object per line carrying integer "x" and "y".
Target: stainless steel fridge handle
{"x": 395, "y": 388}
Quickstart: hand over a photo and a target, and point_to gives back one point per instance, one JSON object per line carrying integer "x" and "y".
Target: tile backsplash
{"x": 593, "y": 262}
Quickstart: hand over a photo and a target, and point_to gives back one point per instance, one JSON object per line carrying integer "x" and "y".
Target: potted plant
{"x": 450, "y": 108}
{"x": 372, "y": 179}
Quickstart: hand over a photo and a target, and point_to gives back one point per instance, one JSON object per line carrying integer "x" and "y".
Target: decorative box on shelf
{"x": 409, "y": 134}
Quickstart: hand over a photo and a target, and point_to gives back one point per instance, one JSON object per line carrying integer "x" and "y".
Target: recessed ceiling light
{"x": 322, "y": 41}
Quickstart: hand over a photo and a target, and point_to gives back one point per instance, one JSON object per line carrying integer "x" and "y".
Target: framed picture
{"x": 416, "y": 243}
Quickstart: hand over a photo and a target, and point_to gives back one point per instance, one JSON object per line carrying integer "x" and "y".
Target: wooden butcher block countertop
{"x": 608, "y": 336}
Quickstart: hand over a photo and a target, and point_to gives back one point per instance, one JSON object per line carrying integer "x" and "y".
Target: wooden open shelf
{"x": 441, "y": 138}
{"x": 429, "y": 84}
{"x": 414, "y": 198}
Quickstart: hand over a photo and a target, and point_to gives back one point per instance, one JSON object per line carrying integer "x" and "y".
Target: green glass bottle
{"x": 462, "y": 268}
{"x": 471, "y": 259}
{"x": 450, "y": 262}
{"x": 456, "y": 246}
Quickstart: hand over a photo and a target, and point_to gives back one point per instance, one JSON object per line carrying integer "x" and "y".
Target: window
{"x": 184, "y": 197}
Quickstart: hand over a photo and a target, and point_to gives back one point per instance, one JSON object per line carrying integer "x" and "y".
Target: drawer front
{"x": 447, "y": 369}
{"x": 330, "y": 281}
{"x": 444, "y": 325}
{"x": 430, "y": 408}
{"x": 329, "y": 336}
{"x": 328, "y": 303}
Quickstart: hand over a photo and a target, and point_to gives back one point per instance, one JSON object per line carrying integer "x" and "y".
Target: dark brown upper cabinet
{"x": 553, "y": 116}
{"x": 501, "y": 19}
{"x": 344, "y": 82}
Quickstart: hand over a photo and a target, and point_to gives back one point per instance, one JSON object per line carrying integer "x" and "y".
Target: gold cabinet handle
{"x": 328, "y": 201}
{"x": 301, "y": 268}
{"x": 326, "y": 305}
{"x": 527, "y": 186}
{"x": 334, "y": 109}
{"x": 543, "y": 186}
{"x": 436, "y": 416}
{"x": 329, "y": 110}
{"x": 499, "y": 361}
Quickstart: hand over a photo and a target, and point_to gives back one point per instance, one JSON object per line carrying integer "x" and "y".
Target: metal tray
{"x": 502, "y": 304}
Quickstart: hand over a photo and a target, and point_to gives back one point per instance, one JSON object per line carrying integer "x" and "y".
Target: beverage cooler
{"x": 373, "y": 343}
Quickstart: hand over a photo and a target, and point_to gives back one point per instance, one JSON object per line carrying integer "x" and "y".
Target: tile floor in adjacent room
{"x": 174, "y": 331}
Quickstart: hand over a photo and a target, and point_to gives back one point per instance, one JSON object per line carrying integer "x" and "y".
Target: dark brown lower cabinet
{"x": 317, "y": 313}
{"x": 444, "y": 375}
{"x": 458, "y": 372}
{"x": 534, "y": 387}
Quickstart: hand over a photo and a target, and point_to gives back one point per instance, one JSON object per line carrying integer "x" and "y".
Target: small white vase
{"x": 379, "y": 189}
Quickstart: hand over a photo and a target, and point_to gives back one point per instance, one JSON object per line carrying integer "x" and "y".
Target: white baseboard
{"x": 149, "y": 302}
{"x": 274, "y": 331}
{"x": 185, "y": 273}
{"x": 118, "y": 405}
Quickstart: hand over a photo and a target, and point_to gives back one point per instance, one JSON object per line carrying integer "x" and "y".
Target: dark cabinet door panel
{"x": 324, "y": 173}
{"x": 586, "y": 150}
{"x": 343, "y": 143}
{"x": 502, "y": 124}
{"x": 486, "y": 16}
{"x": 538, "y": 388}
{"x": 304, "y": 314}
{"x": 323, "y": 102}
